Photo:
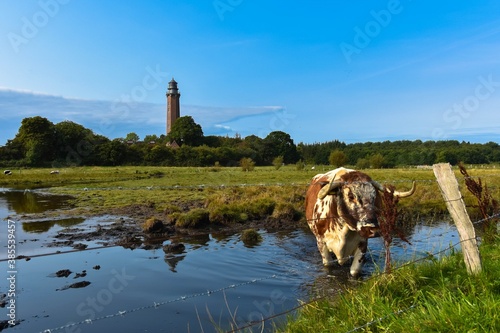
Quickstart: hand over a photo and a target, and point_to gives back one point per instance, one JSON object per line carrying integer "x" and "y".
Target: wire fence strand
{"x": 155, "y": 304}
{"x": 375, "y": 276}
{"x": 158, "y": 304}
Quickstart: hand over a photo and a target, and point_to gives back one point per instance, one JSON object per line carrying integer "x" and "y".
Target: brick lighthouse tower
{"x": 173, "y": 105}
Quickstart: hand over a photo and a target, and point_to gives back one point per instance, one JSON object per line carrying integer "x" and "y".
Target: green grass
{"x": 227, "y": 188}
{"x": 437, "y": 296}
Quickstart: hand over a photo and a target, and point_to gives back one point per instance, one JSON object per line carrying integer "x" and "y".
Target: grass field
{"x": 100, "y": 188}
{"x": 437, "y": 296}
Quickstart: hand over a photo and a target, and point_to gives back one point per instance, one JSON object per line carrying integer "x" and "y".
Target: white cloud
{"x": 116, "y": 118}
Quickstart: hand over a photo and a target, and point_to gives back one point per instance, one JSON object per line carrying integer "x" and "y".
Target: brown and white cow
{"x": 341, "y": 210}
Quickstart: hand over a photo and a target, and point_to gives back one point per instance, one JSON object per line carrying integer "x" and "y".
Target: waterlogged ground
{"x": 214, "y": 282}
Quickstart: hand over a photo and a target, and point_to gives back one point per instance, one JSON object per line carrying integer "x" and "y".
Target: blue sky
{"x": 318, "y": 70}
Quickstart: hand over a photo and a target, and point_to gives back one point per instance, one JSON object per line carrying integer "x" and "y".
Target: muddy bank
{"x": 126, "y": 227}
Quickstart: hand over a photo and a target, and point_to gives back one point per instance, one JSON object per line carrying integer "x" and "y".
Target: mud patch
{"x": 76, "y": 285}
{"x": 63, "y": 273}
{"x": 125, "y": 227}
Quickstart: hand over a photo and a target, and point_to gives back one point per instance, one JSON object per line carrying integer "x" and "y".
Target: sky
{"x": 320, "y": 70}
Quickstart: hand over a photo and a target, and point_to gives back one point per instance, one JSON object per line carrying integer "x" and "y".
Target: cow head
{"x": 357, "y": 197}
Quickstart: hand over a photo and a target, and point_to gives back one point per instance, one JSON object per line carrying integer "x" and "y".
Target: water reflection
{"x": 172, "y": 260}
{"x": 258, "y": 282}
{"x": 32, "y": 201}
{"x": 44, "y": 226}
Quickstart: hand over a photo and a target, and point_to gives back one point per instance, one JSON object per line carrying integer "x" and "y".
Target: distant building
{"x": 173, "y": 144}
{"x": 173, "y": 104}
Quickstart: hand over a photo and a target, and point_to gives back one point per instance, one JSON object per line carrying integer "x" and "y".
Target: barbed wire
{"x": 226, "y": 186}
{"x": 398, "y": 312}
{"x": 28, "y": 257}
{"x": 430, "y": 255}
{"x": 216, "y": 186}
{"x": 289, "y": 272}
{"x": 156, "y": 305}
{"x": 117, "y": 245}
{"x": 233, "y": 286}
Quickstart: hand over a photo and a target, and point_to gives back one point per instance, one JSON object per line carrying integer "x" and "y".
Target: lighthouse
{"x": 173, "y": 104}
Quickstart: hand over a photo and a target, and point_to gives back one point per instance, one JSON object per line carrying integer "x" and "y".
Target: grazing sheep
{"x": 54, "y": 172}
{"x": 7, "y": 172}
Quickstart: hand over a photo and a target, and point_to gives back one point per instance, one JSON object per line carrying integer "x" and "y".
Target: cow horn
{"x": 407, "y": 193}
{"x": 325, "y": 190}
{"x": 399, "y": 194}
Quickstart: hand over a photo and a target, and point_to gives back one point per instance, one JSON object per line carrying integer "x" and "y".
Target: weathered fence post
{"x": 451, "y": 193}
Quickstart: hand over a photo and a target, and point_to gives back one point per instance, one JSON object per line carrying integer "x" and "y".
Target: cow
{"x": 7, "y": 172}
{"x": 341, "y": 210}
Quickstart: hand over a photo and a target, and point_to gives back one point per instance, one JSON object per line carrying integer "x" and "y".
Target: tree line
{"x": 39, "y": 142}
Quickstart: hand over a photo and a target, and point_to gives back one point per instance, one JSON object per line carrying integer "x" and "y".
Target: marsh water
{"x": 215, "y": 284}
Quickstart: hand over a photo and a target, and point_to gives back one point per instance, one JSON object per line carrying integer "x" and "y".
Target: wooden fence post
{"x": 451, "y": 193}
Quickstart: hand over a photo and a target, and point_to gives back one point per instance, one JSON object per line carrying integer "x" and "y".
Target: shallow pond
{"x": 216, "y": 282}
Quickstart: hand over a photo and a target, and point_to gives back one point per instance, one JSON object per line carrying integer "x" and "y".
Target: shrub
{"x": 362, "y": 163}
{"x": 195, "y": 218}
{"x": 173, "y": 217}
{"x": 278, "y": 162}
{"x": 227, "y": 214}
{"x": 250, "y": 237}
{"x": 237, "y": 212}
{"x": 300, "y": 165}
{"x": 216, "y": 168}
{"x": 286, "y": 211}
{"x": 260, "y": 208}
{"x": 152, "y": 225}
{"x": 170, "y": 208}
{"x": 247, "y": 164}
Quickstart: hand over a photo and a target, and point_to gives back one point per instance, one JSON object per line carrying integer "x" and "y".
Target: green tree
{"x": 337, "y": 158}
{"x": 38, "y": 139}
{"x": 279, "y": 143}
{"x": 377, "y": 161}
{"x": 151, "y": 138}
{"x": 74, "y": 141}
{"x": 132, "y": 137}
{"x": 12, "y": 151}
{"x": 160, "y": 155}
{"x": 362, "y": 163}
{"x": 447, "y": 156}
{"x": 112, "y": 153}
{"x": 185, "y": 131}
{"x": 256, "y": 144}
{"x": 70, "y": 133}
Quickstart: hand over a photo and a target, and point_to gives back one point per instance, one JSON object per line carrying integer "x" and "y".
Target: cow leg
{"x": 359, "y": 259}
{"x": 325, "y": 253}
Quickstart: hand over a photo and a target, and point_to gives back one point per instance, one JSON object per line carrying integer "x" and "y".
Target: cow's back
{"x": 317, "y": 183}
